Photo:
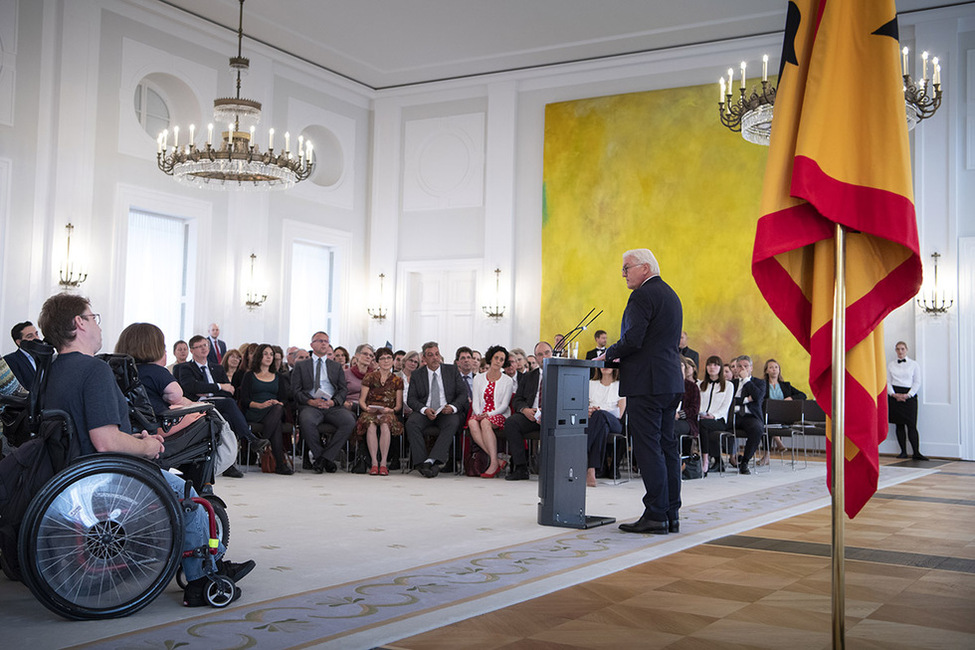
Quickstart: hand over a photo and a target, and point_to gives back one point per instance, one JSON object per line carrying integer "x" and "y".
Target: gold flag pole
{"x": 839, "y": 438}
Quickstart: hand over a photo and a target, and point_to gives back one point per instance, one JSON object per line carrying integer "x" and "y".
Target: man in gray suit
{"x": 438, "y": 396}
{"x": 319, "y": 389}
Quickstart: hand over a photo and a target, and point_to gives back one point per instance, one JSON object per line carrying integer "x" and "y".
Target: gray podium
{"x": 562, "y": 463}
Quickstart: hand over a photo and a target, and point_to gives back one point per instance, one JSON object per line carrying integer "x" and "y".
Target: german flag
{"x": 839, "y": 154}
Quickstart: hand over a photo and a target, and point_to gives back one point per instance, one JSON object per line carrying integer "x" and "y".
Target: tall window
{"x": 151, "y": 108}
{"x": 157, "y": 272}
{"x": 312, "y": 271}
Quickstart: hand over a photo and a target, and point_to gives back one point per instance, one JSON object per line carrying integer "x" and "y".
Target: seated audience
{"x": 532, "y": 362}
{"x": 318, "y": 386}
{"x": 145, "y": 343}
{"x": 749, "y": 415}
{"x": 526, "y": 416}
{"x": 380, "y": 400}
{"x": 363, "y": 362}
{"x": 686, "y": 351}
{"x": 464, "y": 360}
{"x": 263, "y": 393}
{"x": 778, "y": 388}
{"x": 341, "y": 356}
{"x": 717, "y": 397}
{"x": 605, "y": 417}
{"x": 437, "y": 397}
{"x": 246, "y": 361}
{"x": 233, "y": 364}
{"x": 181, "y": 351}
{"x": 492, "y": 394}
{"x": 398, "y": 361}
{"x": 690, "y": 404}
{"x": 410, "y": 363}
{"x": 279, "y": 362}
{"x": 19, "y": 362}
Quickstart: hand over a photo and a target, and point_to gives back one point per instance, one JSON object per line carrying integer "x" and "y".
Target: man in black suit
{"x": 652, "y": 381}
{"x": 600, "y": 337}
{"x": 201, "y": 378}
{"x": 218, "y": 348}
{"x": 686, "y": 351}
{"x": 525, "y": 418}
{"x": 438, "y": 396}
{"x": 21, "y": 363}
{"x": 320, "y": 390}
{"x": 749, "y": 415}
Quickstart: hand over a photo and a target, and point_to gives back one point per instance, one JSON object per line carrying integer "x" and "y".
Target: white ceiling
{"x": 388, "y": 43}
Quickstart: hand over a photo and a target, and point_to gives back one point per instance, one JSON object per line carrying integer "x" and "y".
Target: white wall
{"x": 402, "y": 203}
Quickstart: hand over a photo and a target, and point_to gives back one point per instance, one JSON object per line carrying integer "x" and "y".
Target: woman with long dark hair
{"x": 263, "y": 393}
{"x": 717, "y": 395}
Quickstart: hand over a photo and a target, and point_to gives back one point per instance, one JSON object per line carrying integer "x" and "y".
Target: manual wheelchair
{"x": 104, "y": 537}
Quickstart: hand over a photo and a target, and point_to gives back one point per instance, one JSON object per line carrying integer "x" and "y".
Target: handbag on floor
{"x": 692, "y": 468}
{"x": 268, "y": 464}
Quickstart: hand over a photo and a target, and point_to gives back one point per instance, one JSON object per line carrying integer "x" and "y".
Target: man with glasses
{"x": 202, "y": 379}
{"x": 320, "y": 390}
{"x": 85, "y": 388}
{"x": 652, "y": 381}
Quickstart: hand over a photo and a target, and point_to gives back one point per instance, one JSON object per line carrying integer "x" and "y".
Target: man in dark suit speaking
{"x": 438, "y": 396}
{"x": 653, "y": 384}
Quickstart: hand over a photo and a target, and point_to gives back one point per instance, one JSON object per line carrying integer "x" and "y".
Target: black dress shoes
{"x": 903, "y": 454}
{"x": 743, "y": 468}
{"x": 427, "y": 469}
{"x": 646, "y": 526}
{"x": 919, "y": 457}
{"x": 673, "y": 526}
{"x": 329, "y": 466}
{"x": 517, "y": 474}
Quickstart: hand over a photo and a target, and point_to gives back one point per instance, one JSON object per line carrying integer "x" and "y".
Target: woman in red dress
{"x": 492, "y": 394}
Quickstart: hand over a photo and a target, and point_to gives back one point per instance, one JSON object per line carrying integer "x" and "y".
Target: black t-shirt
{"x": 85, "y": 388}
{"x": 155, "y": 378}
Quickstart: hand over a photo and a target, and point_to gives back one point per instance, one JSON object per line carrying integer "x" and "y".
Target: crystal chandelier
{"x": 237, "y": 163}
{"x": 752, "y": 114}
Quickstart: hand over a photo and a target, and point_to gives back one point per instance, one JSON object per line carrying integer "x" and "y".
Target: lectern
{"x": 562, "y": 465}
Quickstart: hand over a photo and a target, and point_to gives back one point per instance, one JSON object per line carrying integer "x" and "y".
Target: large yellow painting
{"x": 657, "y": 170}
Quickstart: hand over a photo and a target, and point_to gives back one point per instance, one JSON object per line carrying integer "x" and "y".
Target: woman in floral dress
{"x": 380, "y": 399}
{"x": 492, "y": 394}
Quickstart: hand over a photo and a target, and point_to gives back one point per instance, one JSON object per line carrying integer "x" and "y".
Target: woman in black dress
{"x": 263, "y": 393}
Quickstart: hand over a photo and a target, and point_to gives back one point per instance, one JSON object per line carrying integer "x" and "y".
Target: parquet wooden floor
{"x": 910, "y": 583}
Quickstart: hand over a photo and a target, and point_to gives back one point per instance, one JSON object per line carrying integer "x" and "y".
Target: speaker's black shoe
{"x": 903, "y": 454}
{"x": 673, "y": 526}
{"x": 919, "y": 457}
{"x": 646, "y": 526}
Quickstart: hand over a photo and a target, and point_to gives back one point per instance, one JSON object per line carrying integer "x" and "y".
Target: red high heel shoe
{"x": 491, "y": 474}
{"x": 383, "y": 470}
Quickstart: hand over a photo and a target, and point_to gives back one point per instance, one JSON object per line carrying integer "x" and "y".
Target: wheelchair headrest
{"x": 127, "y": 378}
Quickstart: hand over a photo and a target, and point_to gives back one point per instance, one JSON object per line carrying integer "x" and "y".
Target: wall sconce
{"x": 497, "y": 311}
{"x": 254, "y": 299}
{"x": 67, "y": 277}
{"x": 379, "y": 312}
{"x": 935, "y": 303}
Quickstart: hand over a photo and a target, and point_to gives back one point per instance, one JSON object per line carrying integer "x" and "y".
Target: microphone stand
{"x": 577, "y": 330}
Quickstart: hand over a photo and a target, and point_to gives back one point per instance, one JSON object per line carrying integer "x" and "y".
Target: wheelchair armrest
{"x": 16, "y": 400}
{"x": 173, "y": 415}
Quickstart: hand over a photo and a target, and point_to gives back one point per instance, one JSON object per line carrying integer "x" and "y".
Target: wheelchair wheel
{"x": 101, "y": 539}
{"x": 220, "y": 592}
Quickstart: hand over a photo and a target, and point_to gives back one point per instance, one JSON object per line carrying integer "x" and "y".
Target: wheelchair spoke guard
{"x": 102, "y": 539}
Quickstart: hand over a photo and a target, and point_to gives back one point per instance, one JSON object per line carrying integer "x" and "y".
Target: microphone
{"x": 577, "y": 330}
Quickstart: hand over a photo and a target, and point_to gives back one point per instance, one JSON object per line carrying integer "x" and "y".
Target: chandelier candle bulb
{"x": 159, "y": 144}
{"x": 175, "y": 137}
{"x": 210, "y": 134}
{"x": 287, "y": 142}
{"x": 904, "y": 60}
{"x": 165, "y": 138}
{"x": 765, "y": 67}
{"x": 252, "y": 138}
{"x": 721, "y": 90}
{"x": 270, "y": 139}
{"x": 924, "y": 67}
{"x": 731, "y": 79}
{"x": 742, "y": 76}
{"x": 937, "y": 72}
{"x": 308, "y": 152}
{"x": 192, "y": 134}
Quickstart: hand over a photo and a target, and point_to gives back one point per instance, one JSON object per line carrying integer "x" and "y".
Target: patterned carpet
{"x": 375, "y": 609}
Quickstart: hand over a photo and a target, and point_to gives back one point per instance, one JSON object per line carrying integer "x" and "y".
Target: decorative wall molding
{"x": 965, "y": 304}
{"x": 444, "y": 163}
{"x": 333, "y": 138}
{"x": 8, "y": 61}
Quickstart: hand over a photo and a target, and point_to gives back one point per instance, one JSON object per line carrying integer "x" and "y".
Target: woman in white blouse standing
{"x": 903, "y": 383}
{"x": 605, "y": 412}
{"x": 717, "y": 395}
{"x": 492, "y": 395}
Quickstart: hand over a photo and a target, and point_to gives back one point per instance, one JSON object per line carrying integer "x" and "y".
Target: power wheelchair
{"x": 104, "y": 537}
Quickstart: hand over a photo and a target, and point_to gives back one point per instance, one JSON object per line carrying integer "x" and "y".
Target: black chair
{"x": 781, "y": 418}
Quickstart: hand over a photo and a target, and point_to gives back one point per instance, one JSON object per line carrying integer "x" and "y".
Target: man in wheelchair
{"x": 86, "y": 389}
